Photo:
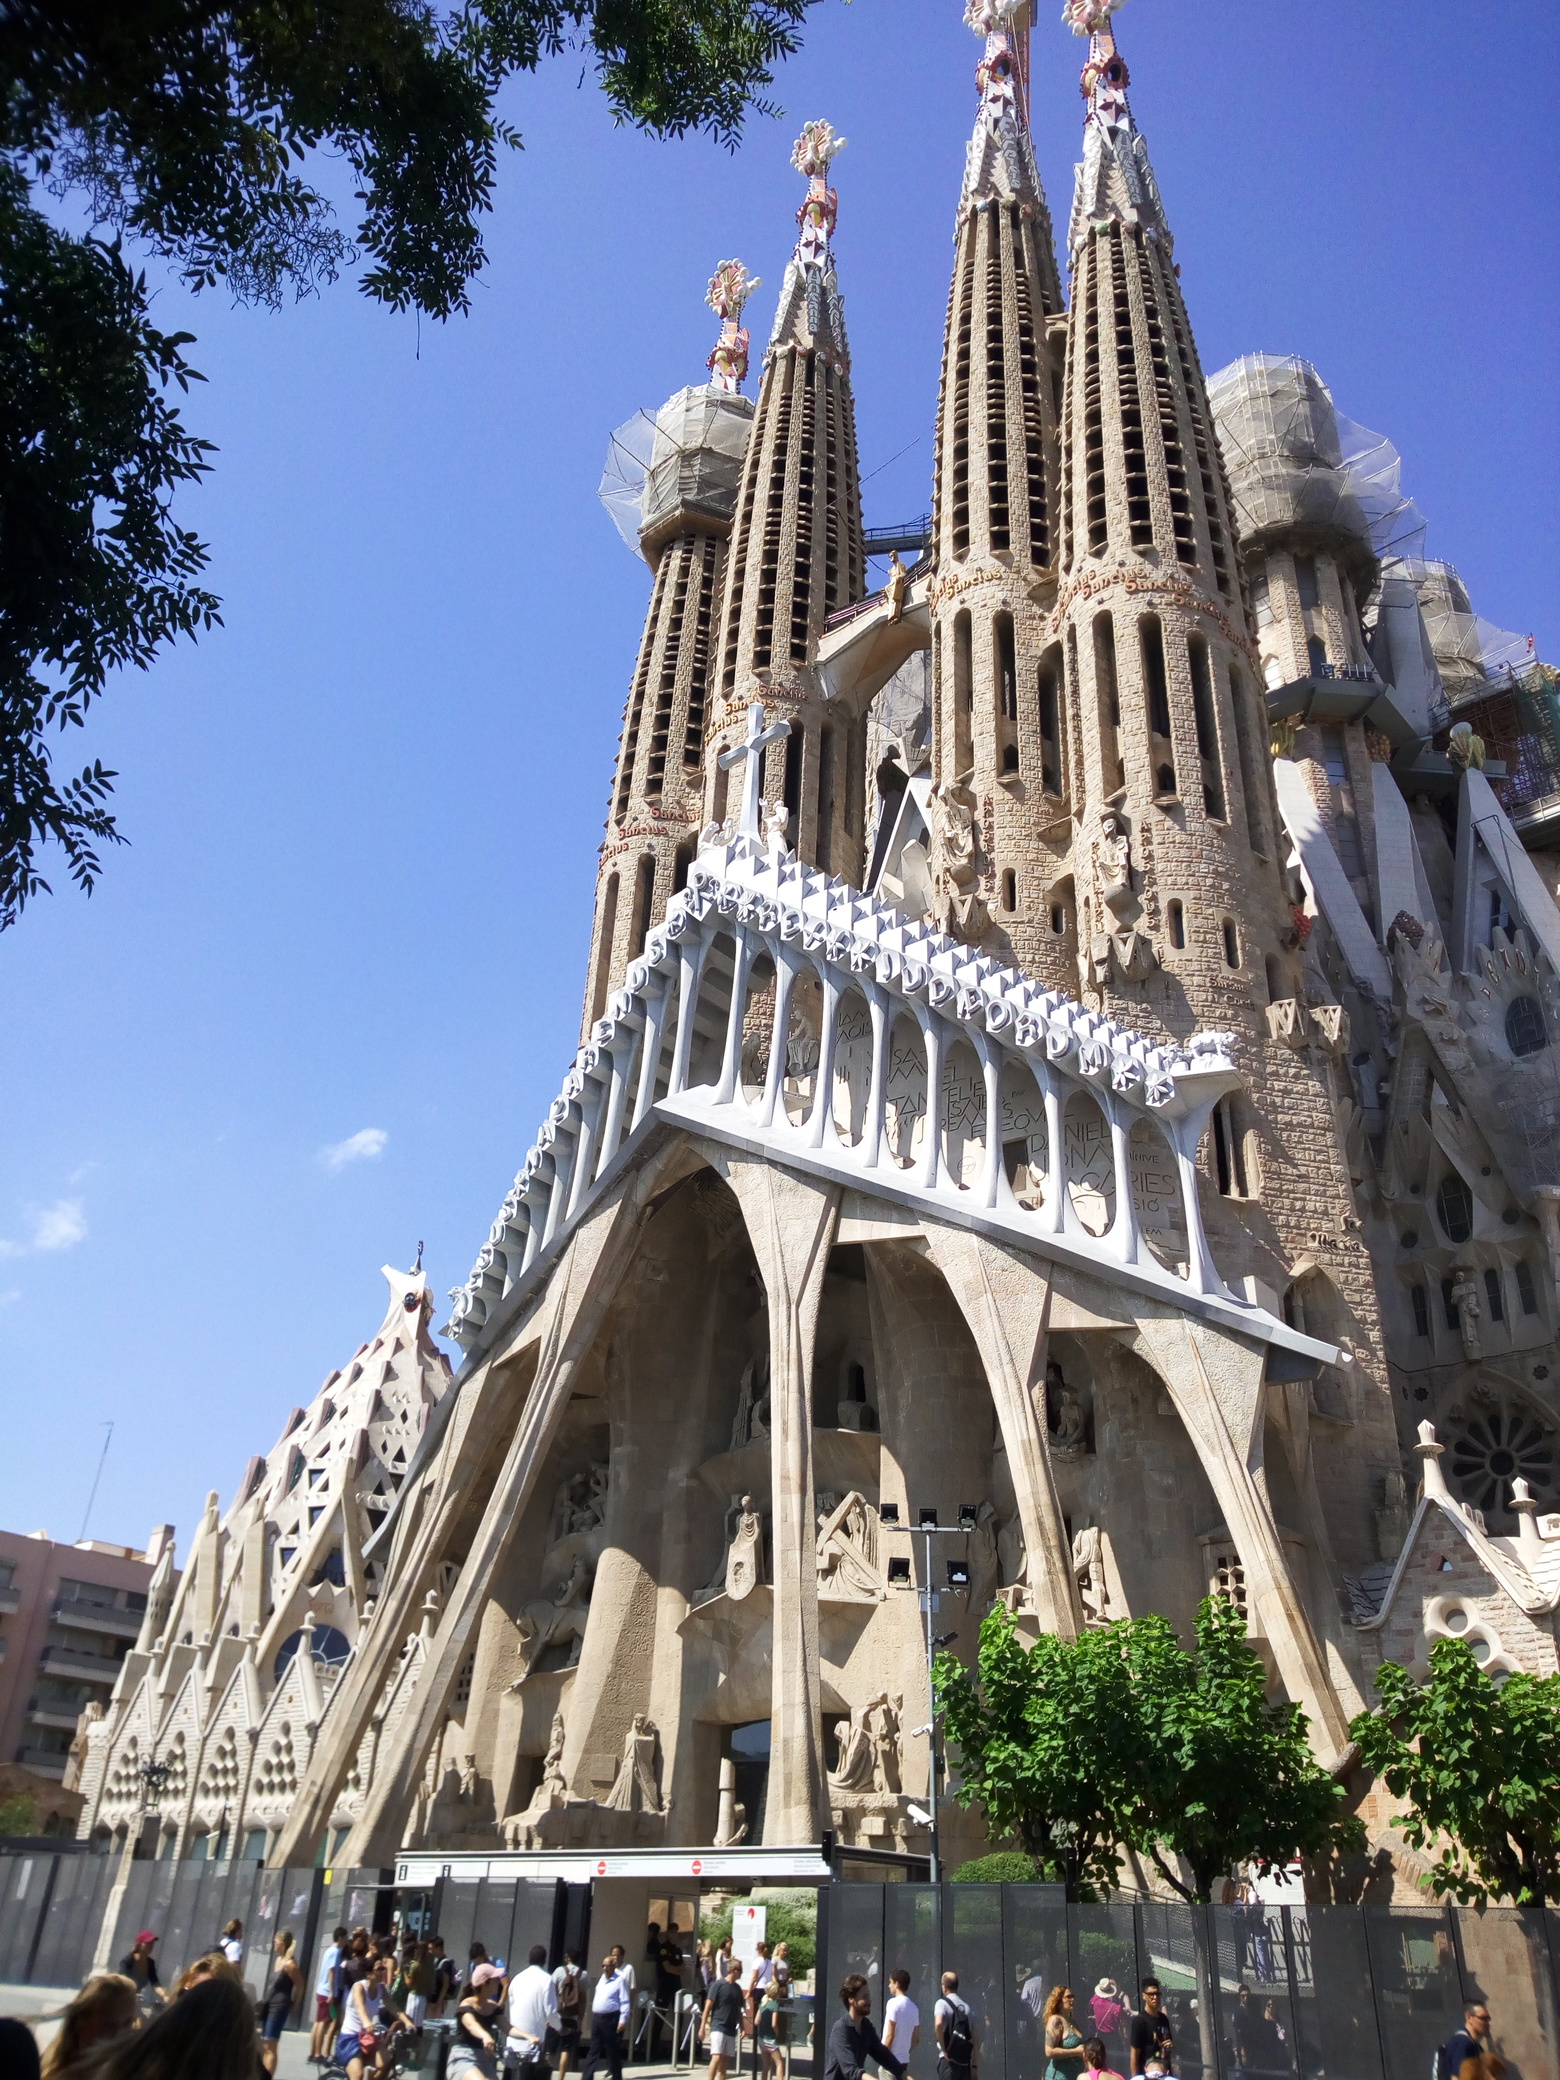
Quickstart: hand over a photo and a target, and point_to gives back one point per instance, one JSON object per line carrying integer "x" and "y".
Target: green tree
{"x": 1479, "y": 1763}
{"x": 1048, "y": 1746}
{"x": 193, "y": 129}
{"x": 1124, "y": 1739}
{"x": 1231, "y": 1777}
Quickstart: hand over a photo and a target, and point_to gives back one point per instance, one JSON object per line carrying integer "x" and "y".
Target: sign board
{"x": 748, "y": 1923}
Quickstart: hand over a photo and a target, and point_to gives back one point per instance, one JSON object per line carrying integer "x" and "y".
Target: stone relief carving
{"x": 848, "y": 1538}
{"x": 869, "y": 1748}
{"x": 580, "y": 1504}
{"x": 637, "y": 1788}
{"x": 745, "y": 1554}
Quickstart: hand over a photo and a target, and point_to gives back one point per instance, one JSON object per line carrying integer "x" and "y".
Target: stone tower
{"x": 1184, "y": 921}
{"x": 797, "y": 552}
{"x": 700, "y": 439}
{"x": 1002, "y": 770}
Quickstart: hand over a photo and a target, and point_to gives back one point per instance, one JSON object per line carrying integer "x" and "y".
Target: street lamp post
{"x": 928, "y": 1528}
{"x": 152, "y": 1777}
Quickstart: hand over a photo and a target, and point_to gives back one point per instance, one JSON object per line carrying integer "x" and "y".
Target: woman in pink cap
{"x": 475, "y": 2047}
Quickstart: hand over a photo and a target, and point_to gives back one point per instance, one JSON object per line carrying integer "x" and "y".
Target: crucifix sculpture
{"x": 749, "y": 748}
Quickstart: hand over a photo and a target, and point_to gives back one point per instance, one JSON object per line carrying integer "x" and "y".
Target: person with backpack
{"x": 958, "y": 2054}
{"x": 1468, "y": 2054}
{"x": 569, "y": 1989}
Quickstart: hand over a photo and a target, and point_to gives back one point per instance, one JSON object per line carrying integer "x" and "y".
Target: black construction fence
{"x": 52, "y": 1907}
{"x": 1332, "y": 1992}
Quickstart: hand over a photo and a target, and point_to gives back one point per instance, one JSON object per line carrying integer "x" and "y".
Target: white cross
{"x": 752, "y": 744}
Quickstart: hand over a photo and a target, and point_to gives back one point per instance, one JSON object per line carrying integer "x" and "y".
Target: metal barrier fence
{"x": 1332, "y": 1993}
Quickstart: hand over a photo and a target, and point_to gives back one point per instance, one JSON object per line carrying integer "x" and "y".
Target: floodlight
{"x": 888, "y": 1512}
{"x": 928, "y": 1518}
{"x": 958, "y": 1574}
{"x": 898, "y": 1570}
{"x": 969, "y": 1515}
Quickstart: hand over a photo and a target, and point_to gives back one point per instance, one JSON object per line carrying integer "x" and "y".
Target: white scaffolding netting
{"x": 687, "y": 457}
{"x": 622, "y": 487}
{"x": 1296, "y": 463}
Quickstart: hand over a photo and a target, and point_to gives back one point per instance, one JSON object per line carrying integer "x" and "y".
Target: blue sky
{"x": 364, "y": 815}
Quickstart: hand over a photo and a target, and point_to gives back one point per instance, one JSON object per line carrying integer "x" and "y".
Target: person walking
{"x": 901, "y": 2016}
{"x": 231, "y": 1942}
{"x": 327, "y": 1998}
{"x": 533, "y": 2013}
{"x": 853, "y": 2040}
{"x": 1152, "y": 2039}
{"x": 721, "y": 2022}
{"x": 141, "y": 1966}
{"x": 569, "y": 1991}
{"x": 474, "y": 2048}
{"x": 958, "y": 2053}
{"x": 1469, "y": 2053}
{"x": 611, "y": 2007}
{"x": 444, "y": 1975}
{"x": 1063, "y": 2040}
{"x": 277, "y": 2001}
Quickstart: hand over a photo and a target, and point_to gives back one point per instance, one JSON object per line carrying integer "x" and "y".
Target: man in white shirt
{"x": 327, "y": 1999}
{"x": 533, "y": 2009}
{"x": 901, "y": 2017}
{"x": 611, "y": 2008}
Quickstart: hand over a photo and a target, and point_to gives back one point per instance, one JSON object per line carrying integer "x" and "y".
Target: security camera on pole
{"x": 928, "y": 1528}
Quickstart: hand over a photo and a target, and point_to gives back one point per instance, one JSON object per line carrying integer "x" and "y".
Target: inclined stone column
{"x": 791, "y": 1223}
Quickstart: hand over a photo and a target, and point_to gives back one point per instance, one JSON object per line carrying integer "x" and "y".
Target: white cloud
{"x": 60, "y": 1226}
{"x": 357, "y": 1148}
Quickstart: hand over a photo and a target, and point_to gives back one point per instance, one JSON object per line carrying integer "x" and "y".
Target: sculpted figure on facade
{"x": 745, "y": 1556}
{"x": 1465, "y": 1298}
{"x": 524, "y": 1830}
{"x": 961, "y": 909}
{"x": 752, "y": 1418}
{"x": 637, "y": 1788}
{"x": 1088, "y": 1553}
{"x": 556, "y": 1621}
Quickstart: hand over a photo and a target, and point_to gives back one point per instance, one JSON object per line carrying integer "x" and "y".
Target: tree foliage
{"x": 19, "y": 1815}
{"x": 1479, "y": 1764}
{"x": 194, "y": 130}
{"x": 1124, "y": 1739}
{"x": 93, "y": 572}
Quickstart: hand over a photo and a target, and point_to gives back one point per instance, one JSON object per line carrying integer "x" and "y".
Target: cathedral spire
{"x": 811, "y": 314}
{"x": 730, "y": 287}
{"x": 797, "y": 553}
{"x": 1115, "y": 182}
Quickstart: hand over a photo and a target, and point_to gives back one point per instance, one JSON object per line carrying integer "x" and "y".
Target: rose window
{"x": 1493, "y": 1450}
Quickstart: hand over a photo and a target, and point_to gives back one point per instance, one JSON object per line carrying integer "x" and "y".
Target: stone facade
{"x": 1013, "y": 1108}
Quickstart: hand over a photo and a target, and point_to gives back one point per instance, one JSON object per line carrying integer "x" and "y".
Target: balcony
{"x": 59, "y": 1715}
{"x": 64, "y": 1661}
{"x": 10, "y": 1599}
{"x": 97, "y": 1617}
{"x": 48, "y": 1762}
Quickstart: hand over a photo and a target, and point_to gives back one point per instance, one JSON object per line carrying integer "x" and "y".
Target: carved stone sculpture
{"x": 1113, "y": 865}
{"x": 637, "y": 1789}
{"x": 524, "y": 1830}
{"x": 545, "y": 1623}
{"x": 752, "y": 1419}
{"x": 1065, "y": 1411}
{"x": 745, "y": 1555}
{"x": 848, "y": 1561}
{"x": 869, "y": 1748}
{"x": 1088, "y": 1553}
{"x": 469, "y": 1779}
{"x": 1465, "y": 1298}
{"x": 884, "y": 1733}
{"x": 853, "y": 1772}
{"x": 961, "y": 910}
